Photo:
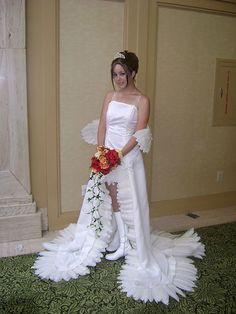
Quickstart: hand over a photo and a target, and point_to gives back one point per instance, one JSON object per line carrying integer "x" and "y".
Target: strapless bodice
{"x": 121, "y": 118}
{"x": 121, "y": 122}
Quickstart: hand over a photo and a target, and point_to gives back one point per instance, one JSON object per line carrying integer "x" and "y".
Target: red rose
{"x": 95, "y": 165}
{"x": 105, "y": 171}
{"x": 113, "y": 157}
{"x": 105, "y": 161}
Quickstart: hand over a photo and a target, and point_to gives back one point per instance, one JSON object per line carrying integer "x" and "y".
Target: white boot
{"x": 115, "y": 241}
{"x": 124, "y": 243}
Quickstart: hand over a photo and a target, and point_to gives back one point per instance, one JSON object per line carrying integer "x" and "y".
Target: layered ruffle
{"x": 78, "y": 246}
{"x": 158, "y": 265}
{"x": 164, "y": 269}
{"x": 144, "y": 139}
{"x": 89, "y": 132}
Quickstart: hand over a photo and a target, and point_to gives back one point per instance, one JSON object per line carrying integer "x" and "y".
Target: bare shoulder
{"x": 144, "y": 102}
{"x": 107, "y": 99}
{"x": 109, "y": 96}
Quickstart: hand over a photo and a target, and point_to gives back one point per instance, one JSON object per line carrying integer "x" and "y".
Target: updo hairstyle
{"x": 128, "y": 60}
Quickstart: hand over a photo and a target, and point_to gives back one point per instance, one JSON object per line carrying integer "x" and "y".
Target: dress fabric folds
{"x": 158, "y": 265}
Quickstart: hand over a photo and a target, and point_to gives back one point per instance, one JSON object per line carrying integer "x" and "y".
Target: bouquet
{"x": 105, "y": 160}
{"x": 102, "y": 163}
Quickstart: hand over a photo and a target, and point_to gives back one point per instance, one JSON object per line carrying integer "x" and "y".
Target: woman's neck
{"x": 129, "y": 90}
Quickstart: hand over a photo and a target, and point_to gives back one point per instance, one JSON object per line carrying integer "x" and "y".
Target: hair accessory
{"x": 119, "y": 55}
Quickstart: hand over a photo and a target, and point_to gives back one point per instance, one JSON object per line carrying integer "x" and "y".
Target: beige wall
{"x": 38, "y": 56}
{"x": 188, "y": 151}
{"x": 91, "y": 32}
{"x": 182, "y": 175}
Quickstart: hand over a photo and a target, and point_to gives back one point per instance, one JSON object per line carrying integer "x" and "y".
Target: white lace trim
{"x": 144, "y": 139}
{"x": 89, "y": 132}
{"x": 67, "y": 257}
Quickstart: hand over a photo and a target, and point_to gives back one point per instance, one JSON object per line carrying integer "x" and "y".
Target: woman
{"x": 156, "y": 265}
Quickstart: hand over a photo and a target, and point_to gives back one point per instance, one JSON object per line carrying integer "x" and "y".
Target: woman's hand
{"x": 120, "y": 153}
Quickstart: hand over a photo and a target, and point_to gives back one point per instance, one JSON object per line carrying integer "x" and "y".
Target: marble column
{"x": 19, "y": 219}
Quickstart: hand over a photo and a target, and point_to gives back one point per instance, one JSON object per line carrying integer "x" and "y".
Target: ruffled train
{"x": 156, "y": 268}
{"x": 158, "y": 265}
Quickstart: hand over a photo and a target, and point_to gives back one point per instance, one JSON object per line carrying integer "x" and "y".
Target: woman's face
{"x": 120, "y": 76}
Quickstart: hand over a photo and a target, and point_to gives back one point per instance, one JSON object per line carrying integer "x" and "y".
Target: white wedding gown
{"x": 158, "y": 265}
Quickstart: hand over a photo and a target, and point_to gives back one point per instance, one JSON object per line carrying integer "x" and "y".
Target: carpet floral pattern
{"x": 23, "y": 292}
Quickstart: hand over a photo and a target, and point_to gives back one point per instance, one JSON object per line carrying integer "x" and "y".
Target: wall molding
{"x": 210, "y": 6}
{"x": 194, "y": 203}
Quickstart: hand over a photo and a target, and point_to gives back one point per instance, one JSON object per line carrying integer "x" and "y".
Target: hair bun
{"x": 129, "y": 59}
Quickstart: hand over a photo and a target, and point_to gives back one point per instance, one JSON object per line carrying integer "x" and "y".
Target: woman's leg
{"x": 115, "y": 241}
{"x": 112, "y": 188}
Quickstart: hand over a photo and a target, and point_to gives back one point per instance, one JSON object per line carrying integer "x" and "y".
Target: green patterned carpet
{"x": 22, "y": 292}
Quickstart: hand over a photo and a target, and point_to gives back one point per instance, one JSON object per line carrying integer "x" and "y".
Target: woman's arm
{"x": 143, "y": 116}
{"x": 102, "y": 120}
